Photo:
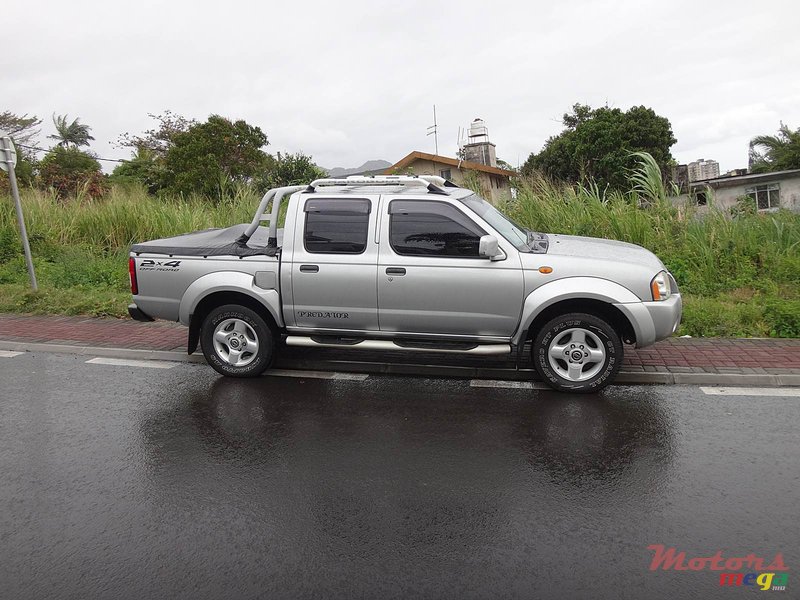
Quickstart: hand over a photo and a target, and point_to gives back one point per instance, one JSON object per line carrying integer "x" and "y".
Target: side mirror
{"x": 488, "y": 248}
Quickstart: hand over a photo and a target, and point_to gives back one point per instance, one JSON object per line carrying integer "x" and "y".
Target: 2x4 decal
{"x": 149, "y": 264}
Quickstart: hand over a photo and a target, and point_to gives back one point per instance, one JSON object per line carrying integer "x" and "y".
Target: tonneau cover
{"x": 212, "y": 242}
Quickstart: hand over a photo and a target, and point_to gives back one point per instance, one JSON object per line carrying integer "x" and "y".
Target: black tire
{"x": 599, "y": 336}
{"x": 255, "y": 328}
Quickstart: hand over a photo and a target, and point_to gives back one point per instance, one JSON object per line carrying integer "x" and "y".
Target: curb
{"x": 423, "y": 370}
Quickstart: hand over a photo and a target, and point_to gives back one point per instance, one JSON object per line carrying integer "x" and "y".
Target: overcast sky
{"x": 352, "y": 81}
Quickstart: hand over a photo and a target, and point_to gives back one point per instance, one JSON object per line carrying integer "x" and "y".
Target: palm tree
{"x": 778, "y": 152}
{"x": 74, "y": 134}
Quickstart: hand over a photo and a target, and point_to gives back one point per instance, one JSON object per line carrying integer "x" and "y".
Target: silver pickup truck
{"x": 404, "y": 263}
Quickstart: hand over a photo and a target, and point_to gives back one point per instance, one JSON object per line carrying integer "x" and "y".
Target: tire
{"x": 577, "y": 353}
{"x": 236, "y": 341}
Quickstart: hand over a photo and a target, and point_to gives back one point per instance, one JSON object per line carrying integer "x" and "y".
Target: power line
{"x": 118, "y": 160}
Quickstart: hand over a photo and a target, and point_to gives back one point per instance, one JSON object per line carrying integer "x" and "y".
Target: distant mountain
{"x": 371, "y": 167}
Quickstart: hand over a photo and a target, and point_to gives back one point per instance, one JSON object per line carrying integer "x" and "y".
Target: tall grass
{"x": 709, "y": 253}
{"x": 124, "y": 216}
{"x": 740, "y": 276}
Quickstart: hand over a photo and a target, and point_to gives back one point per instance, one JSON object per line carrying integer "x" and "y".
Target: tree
{"x": 778, "y": 152}
{"x": 597, "y": 145}
{"x": 580, "y": 114}
{"x": 291, "y": 169}
{"x": 159, "y": 140}
{"x": 145, "y": 167}
{"x": 501, "y": 164}
{"x": 75, "y": 134}
{"x": 70, "y": 171}
{"x": 23, "y": 130}
{"x": 209, "y": 156}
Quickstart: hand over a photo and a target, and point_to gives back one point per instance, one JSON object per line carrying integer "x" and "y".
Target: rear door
{"x": 431, "y": 279}
{"x": 334, "y": 264}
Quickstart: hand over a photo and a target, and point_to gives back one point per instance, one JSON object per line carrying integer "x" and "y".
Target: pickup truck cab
{"x": 404, "y": 263}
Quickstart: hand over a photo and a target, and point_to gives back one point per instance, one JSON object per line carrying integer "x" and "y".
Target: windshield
{"x": 516, "y": 235}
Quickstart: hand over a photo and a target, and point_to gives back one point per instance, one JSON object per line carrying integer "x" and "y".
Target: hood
{"x": 602, "y": 249}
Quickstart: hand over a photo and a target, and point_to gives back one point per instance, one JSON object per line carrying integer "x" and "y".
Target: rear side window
{"x": 336, "y": 226}
{"x": 426, "y": 228}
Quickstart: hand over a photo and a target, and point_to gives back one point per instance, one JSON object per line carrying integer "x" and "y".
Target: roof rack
{"x": 433, "y": 183}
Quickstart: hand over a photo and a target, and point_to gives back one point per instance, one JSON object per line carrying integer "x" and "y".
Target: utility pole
{"x": 434, "y": 130}
{"x": 8, "y": 160}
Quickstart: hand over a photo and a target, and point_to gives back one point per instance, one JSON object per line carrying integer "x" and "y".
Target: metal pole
{"x": 435, "y": 131}
{"x": 6, "y": 147}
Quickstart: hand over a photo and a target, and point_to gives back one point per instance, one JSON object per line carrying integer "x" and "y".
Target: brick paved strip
{"x": 83, "y": 331}
{"x": 684, "y": 354}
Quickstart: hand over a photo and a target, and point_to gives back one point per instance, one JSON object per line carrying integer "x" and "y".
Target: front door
{"x": 431, "y": 279}
{"x": 334, "y": 265}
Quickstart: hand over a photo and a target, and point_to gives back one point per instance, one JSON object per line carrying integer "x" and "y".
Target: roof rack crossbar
{"x": 431, "y": 182}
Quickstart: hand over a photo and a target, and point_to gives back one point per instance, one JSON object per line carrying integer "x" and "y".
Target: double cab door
{"x": 335, "y": 264}
{"x": 431, "y": 279}
{"x": 400, "y": 265}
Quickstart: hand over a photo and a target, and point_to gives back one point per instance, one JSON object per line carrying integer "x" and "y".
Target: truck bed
{"x": 212, "y": 242}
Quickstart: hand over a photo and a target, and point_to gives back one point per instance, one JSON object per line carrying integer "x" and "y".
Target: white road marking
{"x": 317, "y": 374}
{"x": 124, "y": 362}
{"x": 9, "y": 354}
{"x": 499, "y": 383}
{"x": 746, "y": 391}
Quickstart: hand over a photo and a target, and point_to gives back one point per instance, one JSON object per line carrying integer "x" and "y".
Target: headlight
{"x": 660, "y": 286}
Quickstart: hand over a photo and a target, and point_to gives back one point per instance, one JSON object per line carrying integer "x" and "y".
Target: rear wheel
{"x": 236, "y": 341}
{"x": 577, "y": 352}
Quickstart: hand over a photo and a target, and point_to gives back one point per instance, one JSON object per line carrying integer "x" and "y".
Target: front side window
{"x": 765, "y": 196}
{"x": 426, "y": 228}
{"x": 336, "y": 226}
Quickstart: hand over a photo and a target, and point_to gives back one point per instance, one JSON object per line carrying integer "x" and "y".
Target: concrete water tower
{"x": 478, "y": 147}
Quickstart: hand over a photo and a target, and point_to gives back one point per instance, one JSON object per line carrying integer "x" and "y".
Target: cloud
{"x": 358, "y": 80}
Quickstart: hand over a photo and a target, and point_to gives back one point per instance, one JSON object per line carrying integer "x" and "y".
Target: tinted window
{"x": 336, "y": 226}
{"x": 432, "y": 229}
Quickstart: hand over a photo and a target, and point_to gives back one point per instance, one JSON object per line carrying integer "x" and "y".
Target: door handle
{"x": 309, "y": 268}
{"x": 395, "y": 271}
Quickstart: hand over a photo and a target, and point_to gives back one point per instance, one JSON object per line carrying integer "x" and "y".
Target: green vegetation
{"x": 183, "y": 157}
{"x": 179, "y": 157}
{"x": 80, "y": 246}
{"x": 71, "y": 134}
{"x": 23, "y": 130}
{"x": 775, "y": 152}
{"x": 596, "y": 145}
{"x": 739, "y": 272}
{"x": 739, "y": 275}
{"x": 68, "y": 171}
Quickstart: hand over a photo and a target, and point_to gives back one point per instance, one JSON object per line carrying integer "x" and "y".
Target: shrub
{"x": 71, "y": 172}
{"x": 784, "y": 317}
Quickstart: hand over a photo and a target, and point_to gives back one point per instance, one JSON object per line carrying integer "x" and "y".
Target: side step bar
{"x": 382, "y": 345}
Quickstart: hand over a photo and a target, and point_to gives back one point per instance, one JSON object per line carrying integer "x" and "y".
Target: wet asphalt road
{"x": 122, "y": 482}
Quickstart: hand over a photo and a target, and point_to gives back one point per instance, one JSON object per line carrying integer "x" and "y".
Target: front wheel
{"x": 577, "y": 352}
{"x": 236, "y": 341}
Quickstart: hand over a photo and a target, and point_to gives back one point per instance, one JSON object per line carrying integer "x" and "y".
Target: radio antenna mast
{"x": 434, "y": 130}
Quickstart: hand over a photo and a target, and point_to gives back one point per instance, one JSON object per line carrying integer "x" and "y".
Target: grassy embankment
{"x": 740, "y": 276}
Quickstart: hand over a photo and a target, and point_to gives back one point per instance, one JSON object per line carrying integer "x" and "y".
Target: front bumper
{"x": 137, "y": 314}
{"x": 666, "y": 315}
{"x": 653, "y": 321}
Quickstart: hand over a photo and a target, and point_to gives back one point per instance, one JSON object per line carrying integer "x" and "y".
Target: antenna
{"x": 460, "y": 146}
{"x": 434, "y": 129}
